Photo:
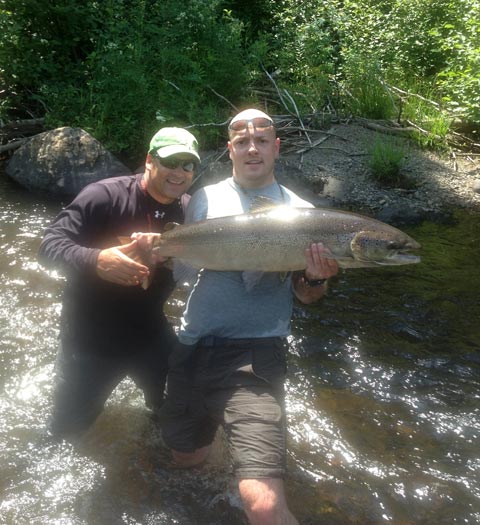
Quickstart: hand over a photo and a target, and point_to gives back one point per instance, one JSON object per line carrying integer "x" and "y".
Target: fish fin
{"x": 183, "y": 272}
{"x": 261, "y": 203}
{"x": 148, "y": 281}
{"x": 170, "y": 226}
{"x": 251, "y": 279}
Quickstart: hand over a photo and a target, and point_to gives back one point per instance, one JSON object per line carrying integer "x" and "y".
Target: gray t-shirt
{"x": 220, "y": 303}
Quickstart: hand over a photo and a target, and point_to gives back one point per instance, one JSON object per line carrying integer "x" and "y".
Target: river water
{"x": 383, "y": 400}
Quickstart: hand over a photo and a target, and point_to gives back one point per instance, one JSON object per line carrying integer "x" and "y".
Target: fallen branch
{"x": 465, "y": 138}
{"x": 12, "y": 145}
{"x": 298, "y": 116}
{"x": 16, "y": 132}
{"x": 17, "y": 124}
{"x": 206, "y": 162}
{"x": 470, "y": 154}
{"x": 278, "y": 91}
{"x": 418, "y": 128}
{"x": 389, "y": 130}
{"x": 323, "y": 131}
{"x": 216, "y": 124}
{"x": 416, "y": 95}
{"x": 314, "y": 144}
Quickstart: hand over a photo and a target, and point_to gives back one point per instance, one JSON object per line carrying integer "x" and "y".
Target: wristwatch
{"x": 313, "y": 282}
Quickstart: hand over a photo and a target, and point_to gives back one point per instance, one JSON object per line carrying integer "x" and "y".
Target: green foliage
{"x": 122, "y": 68}
{"x": 405, "y": 42}
{"x": 434, "y": 43}
{"x": 386, "y": 160}
{"x": 433, "y": 121}
{"x": 255, "y": 21}
{"x": 460, "y": 79}
{"x": 39, "y": 45}
{"x": 364, "y": 91}
{"x": 304, "y": 44}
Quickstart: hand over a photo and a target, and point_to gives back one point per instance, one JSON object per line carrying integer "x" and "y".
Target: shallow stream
{"x": 383, "y": 400}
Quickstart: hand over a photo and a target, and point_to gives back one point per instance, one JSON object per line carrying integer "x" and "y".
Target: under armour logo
{"x": 159, "y": 214}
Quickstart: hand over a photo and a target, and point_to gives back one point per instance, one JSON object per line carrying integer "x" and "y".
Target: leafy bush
{"x": 364, "y": 91}
{"x": 358, "y": 45}
{"x": 304, "y": 50}
{"x": 122, "y": 69}
{"x": 434, "y": 44}
{"x": 433, "y": 122}
{"x": 41, "y": 42}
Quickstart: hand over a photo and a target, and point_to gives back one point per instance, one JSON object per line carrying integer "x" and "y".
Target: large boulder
{"x": 62, "y": 161}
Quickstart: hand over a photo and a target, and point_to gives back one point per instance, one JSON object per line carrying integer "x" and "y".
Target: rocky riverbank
{"x": 332, "y": 169}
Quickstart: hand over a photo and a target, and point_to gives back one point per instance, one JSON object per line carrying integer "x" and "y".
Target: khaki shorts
{"x": 237, "y": 384}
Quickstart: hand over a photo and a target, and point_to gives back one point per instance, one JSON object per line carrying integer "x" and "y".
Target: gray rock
{"x": 62, "y": 161}
{"x": 400, "y": 215}
{"x": 476, "y": 185}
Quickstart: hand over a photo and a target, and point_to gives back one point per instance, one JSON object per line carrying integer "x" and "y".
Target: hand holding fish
{"x": 319, "y": 266}
{"x": 114, "y": 265}
{"x": 146, "y": 242}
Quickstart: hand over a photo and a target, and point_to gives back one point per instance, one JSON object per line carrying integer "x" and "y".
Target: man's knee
{"x": 189, "y": 459}
{"x": 83, "y": 384}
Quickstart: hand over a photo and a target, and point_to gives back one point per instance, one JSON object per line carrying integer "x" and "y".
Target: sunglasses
{"x": 259, "y": 123}
{"x": 172, "y": 163}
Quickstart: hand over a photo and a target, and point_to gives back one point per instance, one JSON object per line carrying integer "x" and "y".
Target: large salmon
{"x": 274, "y": 240}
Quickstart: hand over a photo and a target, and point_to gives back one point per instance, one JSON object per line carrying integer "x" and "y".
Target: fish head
{"x": 384, "y": 247}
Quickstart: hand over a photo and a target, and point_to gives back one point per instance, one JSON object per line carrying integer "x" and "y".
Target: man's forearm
{"x": 59, "y": 251}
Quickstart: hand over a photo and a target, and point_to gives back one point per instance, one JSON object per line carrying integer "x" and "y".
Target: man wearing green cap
{"x": 112, "y": 322}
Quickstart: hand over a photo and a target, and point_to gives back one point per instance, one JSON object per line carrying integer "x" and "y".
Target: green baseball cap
{"x": 173, "y": 141}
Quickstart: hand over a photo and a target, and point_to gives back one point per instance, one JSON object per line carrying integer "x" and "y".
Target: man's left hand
{"x": 320, "y": 266}
{"x": 147, "y": 243}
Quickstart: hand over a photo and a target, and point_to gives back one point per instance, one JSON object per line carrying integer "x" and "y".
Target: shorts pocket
{"x": 270, "y": 363}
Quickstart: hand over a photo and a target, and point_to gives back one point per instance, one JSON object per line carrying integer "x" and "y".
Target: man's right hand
{"x": 115, "y": 266}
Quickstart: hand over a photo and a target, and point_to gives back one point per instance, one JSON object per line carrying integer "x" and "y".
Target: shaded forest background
{"x": 120, "y": 69}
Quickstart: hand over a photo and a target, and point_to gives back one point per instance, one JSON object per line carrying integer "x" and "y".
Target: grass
{"x": 386, "y": 160}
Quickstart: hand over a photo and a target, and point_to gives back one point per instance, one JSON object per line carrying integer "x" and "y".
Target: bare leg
{"x": 189, "y": 459}
{"x": 264, "y": 502}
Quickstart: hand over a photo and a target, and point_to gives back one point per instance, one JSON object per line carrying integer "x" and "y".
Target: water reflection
{"x": 383, "y": 401}
{"x": 391, "y": 361}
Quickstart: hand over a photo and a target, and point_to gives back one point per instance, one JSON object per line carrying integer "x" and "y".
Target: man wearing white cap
{"x": 229, "y": 369}
{"x": 112, "y": 322}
